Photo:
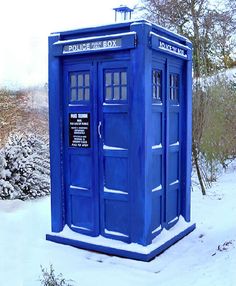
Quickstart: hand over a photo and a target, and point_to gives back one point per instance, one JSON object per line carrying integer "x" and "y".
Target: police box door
{"x": 96, "y": 148}
{"x": 167, "y": 114}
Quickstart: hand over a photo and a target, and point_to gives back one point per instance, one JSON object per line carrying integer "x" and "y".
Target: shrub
{"x": 218, "y": 144}
{"x": 24, "y": 168}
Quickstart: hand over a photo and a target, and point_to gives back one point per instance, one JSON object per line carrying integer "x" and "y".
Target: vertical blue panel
{"x": 141, "y": 140}
{"x": 80, "y": 162}
{"x": 157, "y": 128}
{"x": 116, "y": 132}
{"x": 174, "y": 127}
{"x": 174, "y": 167}
{"x": 81, "y": 171}
{"x": 158, "y": 148}
{"x": 172, "y": 205}
{"x": 116, "y": 217}
{"x": 81, "y": 212}
{"x": 156, "y": 171}
{"x": 114, "y": 149}
{"x": 55, "y": 132}
{"x": 116, "y": 173}
{"x": 187, "y": 135}
{"x": 174, "y": 98}
{"x": 156, "y": 212}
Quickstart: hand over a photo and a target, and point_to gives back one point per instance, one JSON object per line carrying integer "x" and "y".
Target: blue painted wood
{"x": 139, "y": 153}
{"x": 188, "y": 139}
{"x": 134, "y": 178}
{"x": 127, "y": 41}
{"x": 121, "y": 27}
{"x": 55, "y": 135}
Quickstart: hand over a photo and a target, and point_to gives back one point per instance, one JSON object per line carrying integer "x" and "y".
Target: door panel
{"x": 115, "y": 122}
{"x": 158, "y": 146}
{"x": 166, "y": 142}
{"x": 80, "y": 145}
{"x": 96, "y": 134}
{"x": 113, "y": 146}
{"x": 174, "y": 95}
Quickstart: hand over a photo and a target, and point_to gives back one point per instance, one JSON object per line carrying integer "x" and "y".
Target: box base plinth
{"x": 122, "y": 249}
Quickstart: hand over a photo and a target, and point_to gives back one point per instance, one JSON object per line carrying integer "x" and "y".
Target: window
{"x": 156, "y": 85}
{"x": 174, "y": 87}
{"x": 80, "y": 86}
{"x": 115, "y": 82}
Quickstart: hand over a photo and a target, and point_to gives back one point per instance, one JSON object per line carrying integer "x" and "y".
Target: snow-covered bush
{"x": 24, "y": 168}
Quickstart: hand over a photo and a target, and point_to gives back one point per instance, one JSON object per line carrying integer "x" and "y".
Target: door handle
{"x": 99, "y": 129}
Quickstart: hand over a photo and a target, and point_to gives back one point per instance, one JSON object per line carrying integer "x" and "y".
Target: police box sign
{"x": 79, "y": 130}
{"x": 92, "y": 46}
{"x": 172, "y": 48}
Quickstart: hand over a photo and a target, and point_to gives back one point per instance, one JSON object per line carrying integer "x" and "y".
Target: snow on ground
{"x": 207, "y": 256}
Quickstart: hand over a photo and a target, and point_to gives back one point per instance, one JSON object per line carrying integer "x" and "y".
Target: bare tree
{"x": 18, "y": 115}
{"x": 10, "y": 105}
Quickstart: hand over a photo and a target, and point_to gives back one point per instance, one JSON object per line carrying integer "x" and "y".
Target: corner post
{"x": 55, "y": 134}
{"x": 140, "y": 139}
{"x": 187, "y": 199}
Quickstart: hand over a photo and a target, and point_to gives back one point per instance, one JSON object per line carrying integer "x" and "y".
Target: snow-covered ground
{"x": 205, "y": 257}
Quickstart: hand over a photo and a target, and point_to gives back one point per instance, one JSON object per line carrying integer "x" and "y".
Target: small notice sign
{"x": 92, "y": 46}
{"x": 172, "y": 48}
{"x": 79, "y": 130}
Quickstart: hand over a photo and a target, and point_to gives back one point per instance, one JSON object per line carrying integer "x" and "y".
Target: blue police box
{"x": 120, "y": 138}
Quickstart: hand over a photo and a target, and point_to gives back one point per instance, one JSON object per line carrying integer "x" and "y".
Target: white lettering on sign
{"x": 73, "y": 115}
{"x": 82, "y": 115}
{"x": 172, "y": 49}
{"x": 92, "y": 46}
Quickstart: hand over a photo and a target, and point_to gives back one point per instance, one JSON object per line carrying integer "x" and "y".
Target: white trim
{"x": 158, "y": 188}
{"x": 157, "y": 229}
{"x": 106, "y": 147}
{"x": 115, "y": 233}
{"x": 175, "y": 182}
{"x": 106, "y": 190}
{"x": 157, "y": 146}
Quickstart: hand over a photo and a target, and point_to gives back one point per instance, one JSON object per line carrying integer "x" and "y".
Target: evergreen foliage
{"x": 24, "y": 168}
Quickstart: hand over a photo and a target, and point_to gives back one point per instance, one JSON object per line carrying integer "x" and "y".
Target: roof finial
{"x": 123, "y": 13}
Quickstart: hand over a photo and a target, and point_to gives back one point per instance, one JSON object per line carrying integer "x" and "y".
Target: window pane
{"x": 116, "y": 78}
{"x": 154, "y": 92}
{"x": 73, "y": 80}
{"x": 156, "y": 85}
{"x": 172, "y": 93}
{"x": 73, "y": 94}
{"x": 80, "y": 94}
{"x": 124, "y": 93}
{"x": 154, "y": 77}
{"x": 158, "y": 78}
{"x": 86, "y": 93}
{"x": 108, "y": 78}
{"x": 108, "y": 93}
{"x": 86, "y": 79}
{"x": 176, "y": 80}
{"x": 116, "y": 93}
{"x": 124, "y": 78}
{"x": 158, "y": 95}
{"x": 171, "y": 80}
{"x": 80, "y": 80}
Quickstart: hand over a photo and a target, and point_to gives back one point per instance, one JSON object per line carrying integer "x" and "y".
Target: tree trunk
{"x": 195, "y": 160}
